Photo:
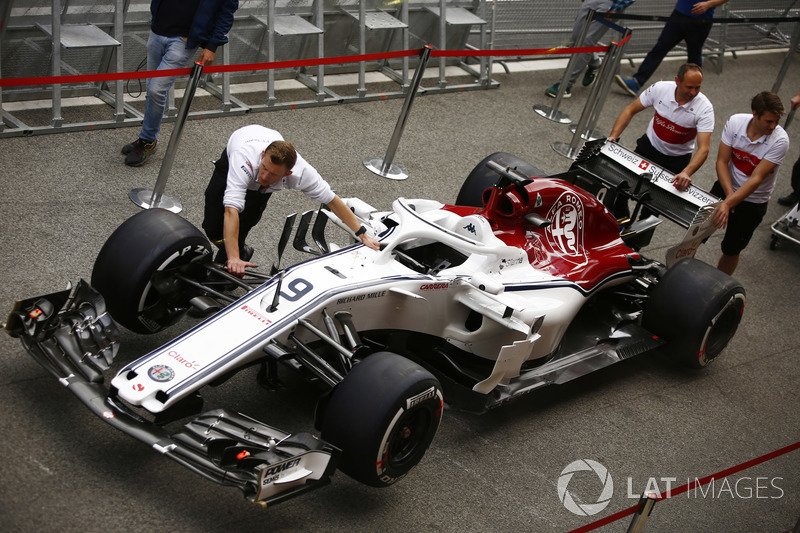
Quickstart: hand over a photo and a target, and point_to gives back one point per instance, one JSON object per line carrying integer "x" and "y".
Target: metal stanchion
{"x": 589, "y": 134}
{"x": 552, "y": 113}
{"x": 384, "y": 167}
{"x": 788, "y": 59}
{"x": 789, "y": 118}
{"x": 156, "y": 198}
{"x": 606, "y": 70}
{"x": 646, "y": 503}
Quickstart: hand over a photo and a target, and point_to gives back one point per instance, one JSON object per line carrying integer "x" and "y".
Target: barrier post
{"x": 646, "y": 503}
{"x": 119, "y": 64}
{"x": 442, "y": 43}
{"x": 596, "y": 105}
{"x": 384, "y": 167}
{"x": 57, "y": 119}
{"x": 786, "y": 60}
{"x": 552, "y": 113}
{"x": 4, "y": 14}
{"x": 156, "y": 198}
{"x": 571, "y": 150}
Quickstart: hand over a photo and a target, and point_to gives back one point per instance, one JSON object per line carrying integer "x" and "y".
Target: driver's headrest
{"x": 475, "y": 227}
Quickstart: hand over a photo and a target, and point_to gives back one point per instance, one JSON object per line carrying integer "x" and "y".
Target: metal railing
{"x": 110, "y": 37}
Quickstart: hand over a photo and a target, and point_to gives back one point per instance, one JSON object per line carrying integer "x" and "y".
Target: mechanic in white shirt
{"x": 752, "y": 148}
{"x": 683, "y": 119}
{"x": 256, "y": 163}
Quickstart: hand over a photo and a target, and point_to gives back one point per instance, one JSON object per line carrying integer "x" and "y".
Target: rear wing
{"x": 609, "y": 170}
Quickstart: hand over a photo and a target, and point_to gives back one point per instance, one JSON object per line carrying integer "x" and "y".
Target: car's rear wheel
{"x": 136, "y": 269}
{"x": 696, "y": 308}
{"x": 482, "y": 177}
{"x": 383, "y": 416}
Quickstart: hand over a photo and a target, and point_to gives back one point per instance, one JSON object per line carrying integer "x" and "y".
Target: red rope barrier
{"x": 689, "y": 486}
{"x": 91, "y": 78}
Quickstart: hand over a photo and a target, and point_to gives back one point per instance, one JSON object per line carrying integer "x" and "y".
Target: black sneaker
{"x": 128, "y": 148}
{"x": 590, "y": 76}
{"x": 140, "y": 150}
{"x": 789, "y": 200}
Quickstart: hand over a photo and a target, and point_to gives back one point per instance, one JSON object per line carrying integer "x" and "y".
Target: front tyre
{"x": 136, "y": 270}
{"x": 696, "y": 309}
{"x": 383, "y": 416}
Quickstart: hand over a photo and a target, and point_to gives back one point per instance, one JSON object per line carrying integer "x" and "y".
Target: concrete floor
{"x": 651, "y": 423}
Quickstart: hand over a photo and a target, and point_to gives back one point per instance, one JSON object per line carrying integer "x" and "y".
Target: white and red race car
{"x": 526, "y": 281}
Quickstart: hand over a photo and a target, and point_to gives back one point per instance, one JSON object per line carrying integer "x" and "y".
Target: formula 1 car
{"x": 526, "y": 281}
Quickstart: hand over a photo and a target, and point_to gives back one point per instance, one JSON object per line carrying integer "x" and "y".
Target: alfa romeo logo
{"x": 566, "y": 231}
{"x": 161, "y": 373}
{"x": 585, "y": 509}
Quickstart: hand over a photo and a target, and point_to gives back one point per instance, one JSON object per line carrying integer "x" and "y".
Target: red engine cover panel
{"x": 582, "y": 242}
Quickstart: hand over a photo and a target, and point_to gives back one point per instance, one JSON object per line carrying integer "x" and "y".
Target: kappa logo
{"x": 471, "y": 228}
{"x": 566, "y": 232}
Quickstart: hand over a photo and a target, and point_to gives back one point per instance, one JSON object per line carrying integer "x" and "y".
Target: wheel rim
{"x": 409, "y": 436}
{"x": 161, "y": 296}
{"x": 722, "y": 330}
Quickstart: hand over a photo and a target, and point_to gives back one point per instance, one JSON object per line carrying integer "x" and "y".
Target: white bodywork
{"x": 380, "y": 292}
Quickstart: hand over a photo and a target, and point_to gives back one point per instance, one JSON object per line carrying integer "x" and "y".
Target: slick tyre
{"x": 482, "y": 177}
{"x": 696, "y": 309}
{"x": 136, "y": 269}
{"x": 383, "y": 416}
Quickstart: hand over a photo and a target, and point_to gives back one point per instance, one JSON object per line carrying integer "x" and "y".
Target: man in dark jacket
{"x": 177, "y": 29}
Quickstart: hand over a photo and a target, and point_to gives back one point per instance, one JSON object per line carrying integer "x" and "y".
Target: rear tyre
{"x": 482, "y": 177}
{"x": 136, "y": 269}
{"x": 696, "y": 309}
{"x": 383, "y": 416}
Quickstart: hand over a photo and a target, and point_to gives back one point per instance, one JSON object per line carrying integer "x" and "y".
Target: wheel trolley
{"x": 786, "y": 227}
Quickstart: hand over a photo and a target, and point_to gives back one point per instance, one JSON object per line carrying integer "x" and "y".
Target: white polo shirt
{"x": 246, "y": 149}
{"x": 674, "y": 128}
{"x": 747, "y": 154}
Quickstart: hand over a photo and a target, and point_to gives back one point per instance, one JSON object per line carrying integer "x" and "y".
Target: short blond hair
{"x": 281, "y": 153}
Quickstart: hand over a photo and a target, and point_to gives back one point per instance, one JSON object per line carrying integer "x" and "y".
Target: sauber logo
{"x": 566, "y": 232}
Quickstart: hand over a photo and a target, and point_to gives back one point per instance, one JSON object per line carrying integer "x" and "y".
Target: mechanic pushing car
{"x": 256, "y": 163}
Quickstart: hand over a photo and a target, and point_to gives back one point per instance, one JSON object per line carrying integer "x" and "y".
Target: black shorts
{"x": 742, "y": 223}
{"x": 214, "y": 212}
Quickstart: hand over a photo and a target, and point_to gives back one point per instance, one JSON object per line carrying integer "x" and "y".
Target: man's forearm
{"x": 230, "y": 232}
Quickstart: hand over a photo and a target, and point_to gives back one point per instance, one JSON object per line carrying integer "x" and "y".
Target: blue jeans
{"x": 163, "y": 53}
{"x": 679, "y": 28}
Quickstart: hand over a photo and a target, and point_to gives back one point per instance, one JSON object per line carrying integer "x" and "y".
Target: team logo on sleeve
{"x": 565, "y": 234}
{"x": 248, "y": 169}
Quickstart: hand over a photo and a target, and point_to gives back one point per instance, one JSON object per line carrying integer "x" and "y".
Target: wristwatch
{"x": 361, "y": 231}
